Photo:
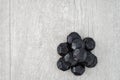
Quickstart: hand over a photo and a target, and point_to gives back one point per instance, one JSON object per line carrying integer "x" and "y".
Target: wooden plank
{"x": 38, "y": 26}
{"x": 4, "y": 40}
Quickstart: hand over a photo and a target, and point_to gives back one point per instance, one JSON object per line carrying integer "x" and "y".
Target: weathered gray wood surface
{"x": 4, "y": 41}
{"x": 30, "y": 31}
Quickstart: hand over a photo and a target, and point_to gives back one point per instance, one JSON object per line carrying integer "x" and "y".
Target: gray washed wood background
{"x": 30, "y": 31}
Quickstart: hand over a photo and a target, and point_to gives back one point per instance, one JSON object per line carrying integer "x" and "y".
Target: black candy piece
{"x": 80, "y": 55}
{"x": 91, "y": 60}
{"x": 63, "y": 49}
{"x": 76, "y": 54}
{"x": 77, "y": 44}
{"x": 62, "y": 65}
{"x": 89, "y": 43}
{"x": 94, "y": 63}
{"x": 78, "y": 69}
{"x": 72, "y": 36}
{"x": 69, "y": 58}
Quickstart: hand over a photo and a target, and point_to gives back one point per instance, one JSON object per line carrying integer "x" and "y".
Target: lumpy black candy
{"x": 76, "y": 54}
{"x": 91, "y": 60}
{"x": 77, "y": 44}
{"x": 69, "y": 58}
{"x": 80, "y": 55}
{"x": 89, "y": 43}
{"x": 62, "y": 65}
{"x": 78, "y": 69}
{"x": 63, "y": 49}
{"x": 72, "y": 36}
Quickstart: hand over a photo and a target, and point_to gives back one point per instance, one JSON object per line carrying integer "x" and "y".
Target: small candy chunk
{"x": 89, "y": 43}
{"x": 94, "y": 63}
{"x": 77, "y": 44}
{"x": 91, "y": 60}
{"x": 78, "y": 69}
{"x": 63, "y": 49}
{"x": 80, "y": 55}
{"x": 69, "y": 58}
{"x": 72, "y": 36}
{"x": 62, "y": 65}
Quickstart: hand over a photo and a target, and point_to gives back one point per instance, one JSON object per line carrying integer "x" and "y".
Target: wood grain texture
{"x": 4, "y": 40}
{"x": 38, "y": 26}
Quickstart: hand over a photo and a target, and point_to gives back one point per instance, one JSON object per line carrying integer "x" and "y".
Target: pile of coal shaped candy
{"x": 76, "y": 54}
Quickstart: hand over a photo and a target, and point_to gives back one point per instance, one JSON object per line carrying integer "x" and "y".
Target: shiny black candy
{"x": 91, "y": 60}
{"x": 89, "y": 43}
{"x": 76, "y": 54}
{"x": 80, "y": 55}
{"x": 77, "y": 44}
{"x": 69, "y": 58}
{"x": 78, "y": 69}
{"x": 72, "y": 36}
{"x": 63, "y": 49}
{"x": 94, "y": 63}
{"x": 62, "y": 65}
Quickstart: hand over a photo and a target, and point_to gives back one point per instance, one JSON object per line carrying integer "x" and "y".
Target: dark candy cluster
{"x": 76, "y": 54}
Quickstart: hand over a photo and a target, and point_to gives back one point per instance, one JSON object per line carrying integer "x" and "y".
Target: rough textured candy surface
{"x": 89, "y": 43}
{"x": 94, "y": 63}
{"x": 80, "y": 55}
{"x": 69, "y": 58}
{"x": 77, "y": 44}
{"x": 72, "y": 36}
{"x": 91, "y": 60}
{"x": 76, "y": 54}
{"x": 78, "y": 69}
{"x": 63, "y": 49}
{"x": 62, "y": 65}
